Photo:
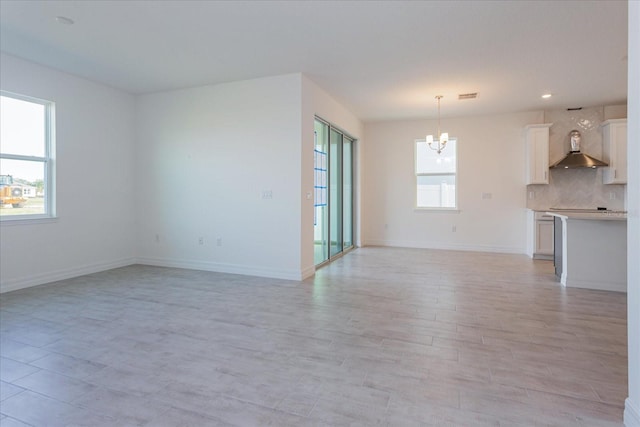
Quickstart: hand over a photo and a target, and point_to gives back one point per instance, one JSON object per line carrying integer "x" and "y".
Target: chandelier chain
{"x": 443, "y": 138}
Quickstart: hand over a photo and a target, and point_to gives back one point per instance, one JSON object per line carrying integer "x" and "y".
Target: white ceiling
{"x": 382, "y": 59}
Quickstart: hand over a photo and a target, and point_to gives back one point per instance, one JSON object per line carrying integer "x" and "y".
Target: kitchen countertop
{"x": 600, "y": 216}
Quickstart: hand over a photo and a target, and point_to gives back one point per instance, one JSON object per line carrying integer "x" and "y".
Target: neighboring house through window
{"x": 436, "y": 176}
{"x": 26, "y": 157}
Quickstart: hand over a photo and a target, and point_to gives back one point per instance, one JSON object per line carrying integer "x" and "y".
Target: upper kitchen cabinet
{"x": 537, "y": 147}
{"x": 614, "y": 151}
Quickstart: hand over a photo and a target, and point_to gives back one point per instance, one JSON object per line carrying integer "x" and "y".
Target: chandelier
{"x": 439, "y": 144}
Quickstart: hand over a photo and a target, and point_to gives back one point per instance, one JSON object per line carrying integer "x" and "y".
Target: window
{"x": 436, "y": 176}
{"x": 26, "y": 157}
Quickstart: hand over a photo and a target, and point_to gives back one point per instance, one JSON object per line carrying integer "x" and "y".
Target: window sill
{"x": 437, "y": 210}
{"x": 27, "y": 221}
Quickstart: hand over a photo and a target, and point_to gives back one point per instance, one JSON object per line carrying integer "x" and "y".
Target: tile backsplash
{"x": 577, "y": 188}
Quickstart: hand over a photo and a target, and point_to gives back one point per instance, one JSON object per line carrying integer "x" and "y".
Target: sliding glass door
{"x": 335, "y": 193}
{"x": 347, "y": 192}
{"x": 333, "y": 168}
{"x": 321, "y": 192}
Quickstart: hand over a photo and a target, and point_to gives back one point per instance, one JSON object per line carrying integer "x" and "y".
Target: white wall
{"x": 317, "y": 102}
{"x": 490, "y": 160}
{"x": 632, "y": 404}
{"x": 204, "y": 157}
{"x": 201, "y": 161}
{"x": 94, "y": 140}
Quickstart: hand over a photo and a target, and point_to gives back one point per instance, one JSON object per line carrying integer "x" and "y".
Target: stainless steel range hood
{"x": 576, "y": 159}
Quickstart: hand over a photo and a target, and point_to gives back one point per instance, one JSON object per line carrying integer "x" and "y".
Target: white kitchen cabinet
{"x": 592, "y": 251}
{"x": 537, "y": 149}
{"x": 544, "y": 239}
{"x": 540, "y": 235}
{"x": 614, "y": 151}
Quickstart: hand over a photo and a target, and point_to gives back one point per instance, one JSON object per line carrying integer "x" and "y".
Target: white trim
{"x": 437, "y": 210}
{"x": 631, "y": 414}
{"x": 308, "y": 272}
{"x": 593, "y": 284}
{"x": 539, "y": 125}
{"x": 48, "y": 160}
{"x": 54, "y": 276}
{"x": 225, "y": 268}
{"x": 41, "y": 159}
{"x": 26, "y": 220}
{"x": 444, "y": 246}
{"x": 611, "y": 121}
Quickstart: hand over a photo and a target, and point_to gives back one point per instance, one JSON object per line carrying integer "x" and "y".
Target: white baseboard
{"x": 53, "y": 276}
{"x": 444, "y": 246}
{"x": 308, "y": 272}
{"x": 631, "y": 414}
{"x": 225, "y": 268}
{"x": 597, "y": 285}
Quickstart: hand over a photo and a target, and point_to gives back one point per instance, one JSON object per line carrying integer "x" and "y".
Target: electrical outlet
{"x": 201, "y": 240}
{"x": 454, "y": 228}
{"x": 486, "y": 196}
{"x": 612, "y": 195}
{"x": 157, "y": 238}
{"x": 219, "y": 241}
{"x": 532, "y": 195}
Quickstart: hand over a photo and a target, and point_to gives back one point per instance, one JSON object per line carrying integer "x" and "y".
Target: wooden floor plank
{"x": 381, "y": 336}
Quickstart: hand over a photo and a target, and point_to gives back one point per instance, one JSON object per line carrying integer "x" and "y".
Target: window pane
{"x": 429, "y": 161}
{"x": 22, "y": 127}
{"x": 436, "y": 191}
{"x": 22, "y": 189}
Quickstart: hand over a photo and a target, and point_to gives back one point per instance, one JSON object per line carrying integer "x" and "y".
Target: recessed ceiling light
{"x": 546, "y": 96}
{"x": 64, "y": 20}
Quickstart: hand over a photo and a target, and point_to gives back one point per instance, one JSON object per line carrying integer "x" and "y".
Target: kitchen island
{"x": 590, "y": 249}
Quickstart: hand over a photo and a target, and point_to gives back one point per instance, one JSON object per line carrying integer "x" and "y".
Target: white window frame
{"x": 453, "y": 208}
{"x": 48, "y": 161}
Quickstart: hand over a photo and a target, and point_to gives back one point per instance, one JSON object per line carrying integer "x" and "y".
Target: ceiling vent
{"x": 473, "y": 95}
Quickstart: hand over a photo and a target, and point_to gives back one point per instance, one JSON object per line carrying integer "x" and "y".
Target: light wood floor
{"x": 382, "y": 336}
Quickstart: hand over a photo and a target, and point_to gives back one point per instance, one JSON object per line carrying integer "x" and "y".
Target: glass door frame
{"x": 352, "y": 143}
